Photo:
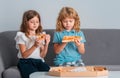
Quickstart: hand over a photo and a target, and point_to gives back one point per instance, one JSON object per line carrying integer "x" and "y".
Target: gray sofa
{"x": 102, "y": 48}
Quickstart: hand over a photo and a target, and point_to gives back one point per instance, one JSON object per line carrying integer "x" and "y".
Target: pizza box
{"x": 91, "y": 71}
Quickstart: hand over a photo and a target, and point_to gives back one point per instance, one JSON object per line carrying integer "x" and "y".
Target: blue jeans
{"x": 28, "y": 66}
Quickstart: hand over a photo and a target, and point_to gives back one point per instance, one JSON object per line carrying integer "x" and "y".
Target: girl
{"x": 31, "y": 49}
{"x": 68, "y": 53}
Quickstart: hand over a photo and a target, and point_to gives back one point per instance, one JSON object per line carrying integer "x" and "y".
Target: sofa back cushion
{"x": 102, "y": 47}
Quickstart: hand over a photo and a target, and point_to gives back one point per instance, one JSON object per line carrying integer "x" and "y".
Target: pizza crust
{"x": 41, "y": 36}
{"x": 70, "y": 38}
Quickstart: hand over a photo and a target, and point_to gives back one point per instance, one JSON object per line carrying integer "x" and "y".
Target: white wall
{"x": 99, "y": 14}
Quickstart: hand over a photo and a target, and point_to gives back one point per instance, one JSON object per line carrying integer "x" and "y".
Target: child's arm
{"x": 26, "y": 52}
{"x": 80, "y": 46}
{"x": 44, "y": 48}
{"x": 59, "y": 47}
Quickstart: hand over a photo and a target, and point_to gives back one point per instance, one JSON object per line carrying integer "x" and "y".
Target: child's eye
{"x": 70, "y": 21}
{"x": 37, "y": 22}
{"x": 65, "y": 21}
{"x": 31, "y": 22}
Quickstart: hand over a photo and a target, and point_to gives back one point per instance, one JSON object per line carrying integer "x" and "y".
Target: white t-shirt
{"x": 21, "y": 38}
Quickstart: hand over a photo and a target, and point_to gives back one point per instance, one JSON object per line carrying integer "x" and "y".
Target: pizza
{"x": 70, "y": 38}
{"x": 41, "y": 36}
{"x": 60, "y": 69}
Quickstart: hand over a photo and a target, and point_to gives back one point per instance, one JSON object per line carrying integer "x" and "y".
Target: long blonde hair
{"x": 26, "y": 17}
{"x": 70, "y": 13}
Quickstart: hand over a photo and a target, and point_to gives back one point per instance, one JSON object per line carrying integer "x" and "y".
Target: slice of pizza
{"x": 70, "y": 38}
{"x": 41, "y": 36}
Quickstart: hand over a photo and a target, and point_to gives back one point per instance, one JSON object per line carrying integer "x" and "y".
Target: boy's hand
{"x": 64, "y": 43}
{"x": 77, "y": 42}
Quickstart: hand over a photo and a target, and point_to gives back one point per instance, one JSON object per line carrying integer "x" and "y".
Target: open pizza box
{"x": 90, "y": 71}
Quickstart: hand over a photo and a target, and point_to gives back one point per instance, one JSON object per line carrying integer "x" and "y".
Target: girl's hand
{"x": 38, "y": 42}
{"x": 47, "y": 39}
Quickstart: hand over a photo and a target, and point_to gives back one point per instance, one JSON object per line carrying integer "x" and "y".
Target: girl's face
{"x": 68, "y": 23}
{"x": 33, "y": 23}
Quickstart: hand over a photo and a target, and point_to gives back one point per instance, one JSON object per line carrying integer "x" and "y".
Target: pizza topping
{"x": 70, "y": 38}
{"x": 41, "y": 36}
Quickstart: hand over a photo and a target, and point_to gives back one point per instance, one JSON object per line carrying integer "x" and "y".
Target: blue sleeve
{"x": 56, "y": 38}
{"x": 83, "y": 37}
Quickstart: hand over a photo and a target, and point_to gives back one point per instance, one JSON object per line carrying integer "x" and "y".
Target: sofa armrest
{"x": 1, "y": 66}
{"x": 8, "y": 52}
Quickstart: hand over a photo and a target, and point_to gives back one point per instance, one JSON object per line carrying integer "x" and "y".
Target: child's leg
{"x": 42, "y": 66}
{"x": 67, "y": 64}
{"x": 80, "y": 63}
{"x": 26, "y": 67}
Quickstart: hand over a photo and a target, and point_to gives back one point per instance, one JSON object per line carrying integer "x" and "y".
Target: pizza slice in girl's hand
{"x": 41, "y": 36}
{"x": 70, "y": 38}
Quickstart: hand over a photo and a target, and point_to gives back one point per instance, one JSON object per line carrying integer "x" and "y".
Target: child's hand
{"x": 77, "y": 42}
{"x": 47, "y": 39}
{"x": 65, "y": 43}
{"x": 38, "y": 42}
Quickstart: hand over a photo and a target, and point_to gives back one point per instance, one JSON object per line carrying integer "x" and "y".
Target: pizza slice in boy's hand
{"x": 70, "y": 38}
{"x": 77, "y": 38}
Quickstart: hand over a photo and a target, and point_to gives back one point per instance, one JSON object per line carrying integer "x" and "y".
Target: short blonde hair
{"x": 70, "y": 13}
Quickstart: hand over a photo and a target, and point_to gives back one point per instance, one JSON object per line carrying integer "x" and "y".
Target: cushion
{"x": 11, "y": 72}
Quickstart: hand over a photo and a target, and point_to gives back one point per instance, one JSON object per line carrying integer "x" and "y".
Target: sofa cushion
{"x": 102, "y": 48}
{"x": 11, "y": 72}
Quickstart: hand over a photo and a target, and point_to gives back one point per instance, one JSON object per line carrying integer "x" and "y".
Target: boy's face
{"x": 33, "y": 23}
{"x": 68, "y": 23}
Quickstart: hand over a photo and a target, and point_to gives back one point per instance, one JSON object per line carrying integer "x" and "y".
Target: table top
{"x": 112, "y": 74}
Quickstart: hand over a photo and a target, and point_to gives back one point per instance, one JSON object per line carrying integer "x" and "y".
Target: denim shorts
{"x": 74, "y": 63}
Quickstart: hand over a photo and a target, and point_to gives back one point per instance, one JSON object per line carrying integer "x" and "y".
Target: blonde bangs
{"x": 67, "y": 12}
